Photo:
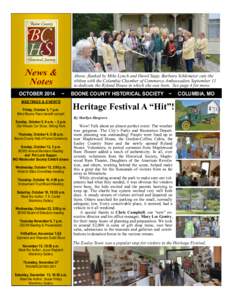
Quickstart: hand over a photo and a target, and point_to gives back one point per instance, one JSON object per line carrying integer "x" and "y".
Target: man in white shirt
{"x": 100, "y": 41}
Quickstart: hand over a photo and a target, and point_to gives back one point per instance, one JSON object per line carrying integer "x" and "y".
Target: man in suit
{"x": 179, "y": 40}
{"x": 130, "y": 43}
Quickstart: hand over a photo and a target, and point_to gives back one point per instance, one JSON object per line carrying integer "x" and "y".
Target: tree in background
{"x": 180, "y": 106}
{"x": 214, "y": 194}
{"x": 83, "y": 24}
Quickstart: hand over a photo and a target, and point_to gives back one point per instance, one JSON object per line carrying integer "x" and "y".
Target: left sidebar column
{"x": 41, "y": 152}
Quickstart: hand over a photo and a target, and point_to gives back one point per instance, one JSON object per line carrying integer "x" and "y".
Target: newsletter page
{"x": 117, "y": 117}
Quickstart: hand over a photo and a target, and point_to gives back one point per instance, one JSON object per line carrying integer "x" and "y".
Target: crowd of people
{"x": 188, "y": 151}
{"x": 195, "y": 227}
{"x": 171, "y": 272}
{"x": 119, "y": 51}
{"x": 201, "y": 179}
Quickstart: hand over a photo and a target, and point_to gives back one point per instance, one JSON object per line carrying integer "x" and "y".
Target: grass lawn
{"x": 199, "y": 126}
{"x": 198, "y": 69}
{"x": 215, "y": 58}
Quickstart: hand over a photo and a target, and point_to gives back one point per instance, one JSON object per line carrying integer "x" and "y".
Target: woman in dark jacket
{"x": 170, "y": 50}
{"x": 156, "y": 48}
{"x": 148, "y": 60}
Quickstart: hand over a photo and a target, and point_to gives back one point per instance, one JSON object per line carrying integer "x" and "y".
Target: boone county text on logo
{"x": 41, "y": 41}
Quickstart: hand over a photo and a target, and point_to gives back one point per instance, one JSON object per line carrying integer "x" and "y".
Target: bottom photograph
{"x": 147, "y": 266}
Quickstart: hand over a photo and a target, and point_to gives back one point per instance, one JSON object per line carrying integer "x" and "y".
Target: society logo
{"x": 41, "y": 41}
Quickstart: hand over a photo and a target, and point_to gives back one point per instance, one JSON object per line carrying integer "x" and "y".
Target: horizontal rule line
{"x": 115, "y": 93}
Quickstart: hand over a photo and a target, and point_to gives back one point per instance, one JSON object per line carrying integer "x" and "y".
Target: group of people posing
{"x": 119, "y": 51}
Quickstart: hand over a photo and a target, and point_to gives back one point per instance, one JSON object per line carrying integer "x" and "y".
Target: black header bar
{"x": 116, "y": 93}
